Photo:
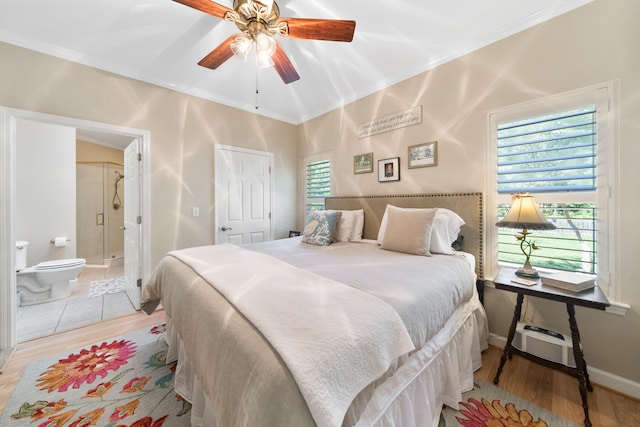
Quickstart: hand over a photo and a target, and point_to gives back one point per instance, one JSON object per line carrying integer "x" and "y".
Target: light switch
{"x": 196, "y": 211}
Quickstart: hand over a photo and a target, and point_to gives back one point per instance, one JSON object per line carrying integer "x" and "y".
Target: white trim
{"x": 596, "y": 376}
{"x": 8, "y": 117}
{"x": 618, "y": 308}
{"x": 7, "y": 231}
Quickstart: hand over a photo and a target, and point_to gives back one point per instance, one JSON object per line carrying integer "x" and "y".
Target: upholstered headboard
{"x": 470, "y": 206}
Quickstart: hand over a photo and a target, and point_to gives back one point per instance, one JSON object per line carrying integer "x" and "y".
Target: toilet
{"x": 46, "y": 281}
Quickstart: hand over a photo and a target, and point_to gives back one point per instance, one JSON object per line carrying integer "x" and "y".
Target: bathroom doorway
{"x": 8, "y": 119}
{"x": 87, "y": 207}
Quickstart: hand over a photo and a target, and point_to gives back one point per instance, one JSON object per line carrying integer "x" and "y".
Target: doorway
{"x": 8, "y": 118}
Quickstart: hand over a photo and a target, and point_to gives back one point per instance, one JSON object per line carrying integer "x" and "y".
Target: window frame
{"x": 312, "y": 159}
{"x": 603, "y": 96}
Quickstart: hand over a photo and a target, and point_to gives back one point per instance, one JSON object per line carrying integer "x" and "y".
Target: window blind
{"x": 550, "y": 153}
{"x": 318, "y": 183}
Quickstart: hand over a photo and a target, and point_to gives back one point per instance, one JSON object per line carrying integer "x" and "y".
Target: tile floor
{"x": 39, "y": 320}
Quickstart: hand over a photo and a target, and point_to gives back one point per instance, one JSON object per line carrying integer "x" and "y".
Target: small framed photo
{"x": 389, "y": 169}
{"x": 363, "y": 163}
{"x": 423, "y": 155}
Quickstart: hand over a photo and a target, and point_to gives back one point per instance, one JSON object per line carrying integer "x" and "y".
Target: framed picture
{"x": 363, "y": 163}
{"x": 423, "y": 155}
{"x": 389, "y": 169}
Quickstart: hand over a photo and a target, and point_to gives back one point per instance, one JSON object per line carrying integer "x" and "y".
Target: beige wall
{"x": 595, "y": 43}
{"x": 87, "y": 152}
{"x": 183, "y": 131}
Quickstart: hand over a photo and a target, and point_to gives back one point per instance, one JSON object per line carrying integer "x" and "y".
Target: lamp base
{"x": 528, "y": 271}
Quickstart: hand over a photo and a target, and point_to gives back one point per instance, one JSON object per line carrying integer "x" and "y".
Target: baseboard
{"x": 597, "y": 376}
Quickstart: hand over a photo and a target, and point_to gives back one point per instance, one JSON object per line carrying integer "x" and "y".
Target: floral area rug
{"x": 490, "y": 406}
{"x": 119, "y": 382}
{"x": 98, "y": 288}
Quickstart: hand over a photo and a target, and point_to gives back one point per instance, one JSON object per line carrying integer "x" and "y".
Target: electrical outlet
{"x": 196, "y": 211}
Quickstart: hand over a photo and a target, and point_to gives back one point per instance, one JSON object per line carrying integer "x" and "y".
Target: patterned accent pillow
{"x": 319, "y": 227}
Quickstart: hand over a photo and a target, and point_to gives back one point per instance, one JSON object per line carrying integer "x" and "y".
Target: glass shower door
{"x": 90, "y": 212}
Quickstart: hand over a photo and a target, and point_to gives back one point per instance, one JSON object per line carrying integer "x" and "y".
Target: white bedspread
{"x": 425, "y": 291}
{"x": 302, "y": 314}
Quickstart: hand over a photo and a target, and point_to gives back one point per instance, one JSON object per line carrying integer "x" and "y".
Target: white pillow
{"x": 445, "y": 230}
{"x": 350, "y": 225}
{"x": 408, "y": 230}
{"x": 359, "y": 224}
{"x": 383, "y": 225}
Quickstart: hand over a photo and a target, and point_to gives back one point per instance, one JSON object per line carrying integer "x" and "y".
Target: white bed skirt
{"x": 413, "y": 395}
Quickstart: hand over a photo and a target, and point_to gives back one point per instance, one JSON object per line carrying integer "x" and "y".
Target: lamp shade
{"x": 525, "y": 214}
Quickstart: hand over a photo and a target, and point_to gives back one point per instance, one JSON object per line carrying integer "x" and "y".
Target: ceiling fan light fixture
{"x": 258, "y": 21}
{"x": 265, "y": 44}
{"x": 264, "y": 61}
{"x": 265, "y": 48}
{"x": 241, "y": 47}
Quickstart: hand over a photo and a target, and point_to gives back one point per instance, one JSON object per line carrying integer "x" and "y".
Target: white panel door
{"x": 243, "y": 195}
{"x": 132, "y": 222}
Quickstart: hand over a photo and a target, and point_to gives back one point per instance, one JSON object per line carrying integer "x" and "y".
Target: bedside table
{"x": 593, "y": 298}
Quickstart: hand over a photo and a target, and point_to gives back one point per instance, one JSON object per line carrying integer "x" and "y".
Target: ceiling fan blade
{"x": 320, "y": 29}
{"x": 219, "y": 55}
{"x": 283, "y": 66}
{"x": 207, "y": 6}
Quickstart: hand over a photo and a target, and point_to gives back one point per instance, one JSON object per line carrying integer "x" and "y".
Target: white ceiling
{"x": 161, "y": 41}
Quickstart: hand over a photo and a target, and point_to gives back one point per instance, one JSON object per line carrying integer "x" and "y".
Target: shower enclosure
{"x": 100, "y": 213}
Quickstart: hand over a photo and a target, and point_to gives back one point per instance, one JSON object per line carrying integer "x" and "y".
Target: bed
{"x": 363, "y": 331}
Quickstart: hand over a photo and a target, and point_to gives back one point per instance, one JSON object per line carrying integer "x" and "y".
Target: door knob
{"x": 123, "y": 228}
{"x": 223, "y": 228}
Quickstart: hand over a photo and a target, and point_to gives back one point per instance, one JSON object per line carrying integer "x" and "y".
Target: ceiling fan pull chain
{"x": 257, "y": 91}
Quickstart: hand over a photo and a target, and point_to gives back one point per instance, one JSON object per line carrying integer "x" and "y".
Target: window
{"x": 554, "y": 153}
{"x": 558, "y": 150}
{"x": 317, "y": 182}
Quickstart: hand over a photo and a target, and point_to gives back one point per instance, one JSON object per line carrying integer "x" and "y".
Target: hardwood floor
{"x": 558, "y": 391}
{"x": 548, "y": 388}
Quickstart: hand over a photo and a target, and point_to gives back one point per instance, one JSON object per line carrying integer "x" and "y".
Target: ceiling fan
{"x": 259, "y": 21}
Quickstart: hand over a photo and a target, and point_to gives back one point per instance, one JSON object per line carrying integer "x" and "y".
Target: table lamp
{"x": 525, "y": 214}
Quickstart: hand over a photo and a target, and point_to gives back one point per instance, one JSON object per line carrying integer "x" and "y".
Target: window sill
{"x": 618, "y": 308}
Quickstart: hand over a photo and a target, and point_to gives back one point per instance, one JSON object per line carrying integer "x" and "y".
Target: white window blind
{"x": 551, "y": 153}
{"x": 318, "y": 183}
